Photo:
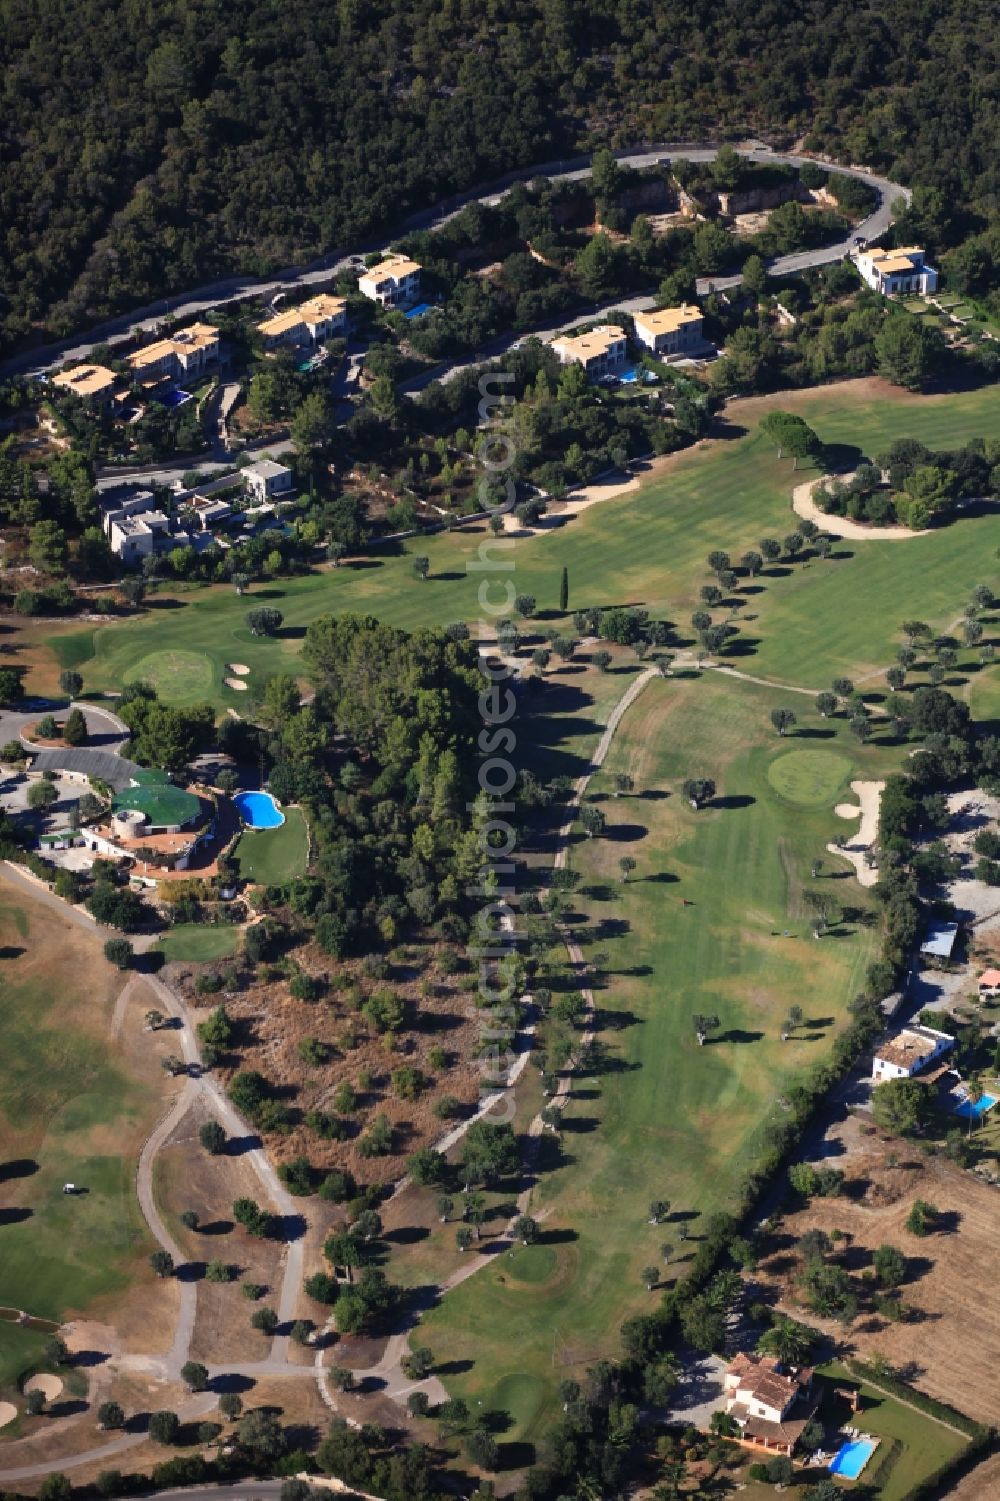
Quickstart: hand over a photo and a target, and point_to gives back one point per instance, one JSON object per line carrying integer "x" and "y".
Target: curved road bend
{"x": 202, "y": 299}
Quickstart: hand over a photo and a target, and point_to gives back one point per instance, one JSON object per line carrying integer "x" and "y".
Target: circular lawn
{"x": 179, "y": 677}
{"x": 809, "y": 778}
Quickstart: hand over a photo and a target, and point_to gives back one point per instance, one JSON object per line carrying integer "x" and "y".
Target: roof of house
{"x": 763, "y": 1377}
{"x": 162, "y": 803}
{"x": 595, "y": 342}
{"x": 314, "y": 311}
{"x": 196, "y": 336}
{"x": 911, "y": 1046}
{"x": 323, "y": 306}
{"x": 889, "y": 262}
{"x": 393, "y": 267}
{"x": 940, "y": 940}
{"x": 85, "y": 380}
{"x": 265, "y": 469}
{"x": 667, "y": 320}
{"x": 990, "y": 977}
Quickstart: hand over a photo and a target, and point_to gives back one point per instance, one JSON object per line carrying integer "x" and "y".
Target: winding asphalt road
{"x": 202, "y": 299}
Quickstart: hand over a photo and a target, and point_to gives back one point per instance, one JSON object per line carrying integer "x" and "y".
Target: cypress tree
{"x": 564, "y": 590}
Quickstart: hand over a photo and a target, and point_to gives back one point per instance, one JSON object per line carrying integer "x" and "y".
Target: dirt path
{"x": 841, "y": 526}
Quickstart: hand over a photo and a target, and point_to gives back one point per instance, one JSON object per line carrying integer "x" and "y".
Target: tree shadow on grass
{"x": 18, "y": 1167}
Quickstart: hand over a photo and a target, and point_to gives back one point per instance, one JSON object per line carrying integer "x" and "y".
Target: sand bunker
{"x": 49, "y": 1386}
{"x": 239, "y": 668}
{"x": 237, "y": 684}
{"x": 8, "y": 1412}
{"x": 842, "y": 526}
{"x": 869, "y": 795}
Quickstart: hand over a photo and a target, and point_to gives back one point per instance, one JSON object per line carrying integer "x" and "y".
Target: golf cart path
{"x": 388, "y": 1369}
{"x": 805, "y": 506}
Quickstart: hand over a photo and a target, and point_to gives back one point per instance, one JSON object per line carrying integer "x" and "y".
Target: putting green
{"x": 809, "y": 778}
{"x": 521, "y": 1394}
{"x": 533, "y": 1264}
{"x": 179, "y": 677}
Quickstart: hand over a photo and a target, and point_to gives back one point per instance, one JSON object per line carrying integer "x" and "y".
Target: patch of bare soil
{"x": 950, "y": 1271}
{"x": 188, "y": 1177}
{"x": 439, "y": 1015}
{"x": 981, "y": 1484}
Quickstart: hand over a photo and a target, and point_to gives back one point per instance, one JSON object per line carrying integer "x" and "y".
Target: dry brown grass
{"x": 440, "y": 1013}
{"x": 952, "y": 1271}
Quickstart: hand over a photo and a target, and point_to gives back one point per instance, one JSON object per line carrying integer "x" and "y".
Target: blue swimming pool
{"x": 972, "y": 1111}
{"x": 851, "y": 1458}
{"x": 419, "y": 310}
{"x": 175, "y": 398}
{"x": 259, "y": 810}
{"x": 635, "y": 373}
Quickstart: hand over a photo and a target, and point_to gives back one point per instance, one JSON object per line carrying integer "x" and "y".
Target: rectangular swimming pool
{"x": 851, "y": 1458}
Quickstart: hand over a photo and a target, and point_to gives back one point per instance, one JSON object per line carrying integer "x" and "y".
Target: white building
{"x": 894, "y": 271}
{"x": 394, "y": 282}
{"x": 266, "y": 479}
{"x": 116, "y": 508}
{"x": 670, "y": 330}
{"x": 186, "y": 352}
{"x": 600, "y": 351}
{"x": 133, "y": 538}
{"x": 769, "y": 1402}
{"x": 908, "y": 1052}
{"x": 318, "y": 319}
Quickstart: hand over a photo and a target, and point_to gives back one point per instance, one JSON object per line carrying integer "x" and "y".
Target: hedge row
{"x": 930, "y": 1405}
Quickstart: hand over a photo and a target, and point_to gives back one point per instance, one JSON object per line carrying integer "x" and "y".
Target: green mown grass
{"x": 65, "y": 1106}
{"x": 669, "y": 1118}
{"x": 20, "y": 1349}
{"x": 809, "y": 778}
{"x": 926, "y": 1442}
{"x": 273, "y": 856}
{"x": 812, "y": 622}
{"x": 198, "y": 943}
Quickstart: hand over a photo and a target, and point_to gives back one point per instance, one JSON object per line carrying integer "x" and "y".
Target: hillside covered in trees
{"x": 144, "y": 149}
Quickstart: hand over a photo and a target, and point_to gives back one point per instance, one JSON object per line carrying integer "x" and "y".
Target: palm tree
{"x": 788, "y": 1341}
{"x": 973, "y": 1093}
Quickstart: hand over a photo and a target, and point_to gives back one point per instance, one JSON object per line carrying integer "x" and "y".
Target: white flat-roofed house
{"x": 394, "y": 282}
{"x": 135, "y": 537}
{"x": 892, "y": 272}
{"x": 318, "y": 319}
{"x": 116, "y": 508}
{"x": 600, "y": 351}
{"x": 670, "y": 330}
{"x": 266, "y": 479}
{"x": 909, "y": 1052}
{"x": 186, "y": 352}
{"x": 92, "y": 383}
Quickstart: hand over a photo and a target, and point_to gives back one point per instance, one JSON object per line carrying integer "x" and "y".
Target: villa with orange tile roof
{"x": 670, "y": 330}
{"x": 394, "y": 282}
{"x": 769, "y": 1402}
{"x": 185, "y": 352}
{"x": 989, "y": 983}
{"x": 94, "y": 383}
{"x": 310, "y": 323}
{"x": 909, "y": 1052}
{"x": 599, "y": 351}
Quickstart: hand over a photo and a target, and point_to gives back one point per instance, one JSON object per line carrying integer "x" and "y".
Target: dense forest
{"x": 144, "y": 149}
